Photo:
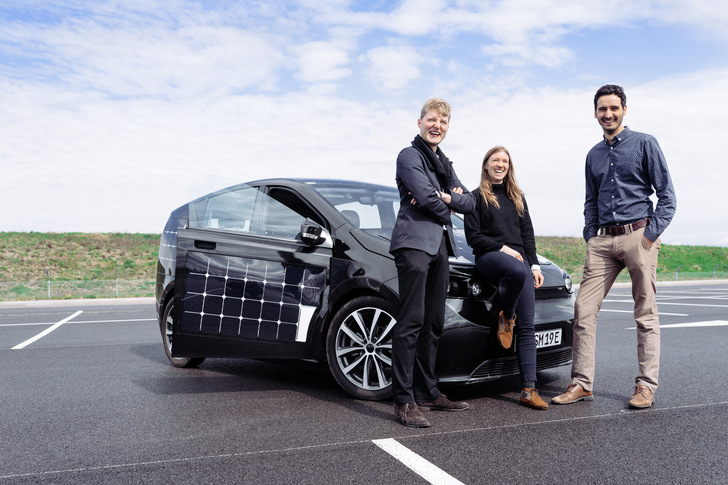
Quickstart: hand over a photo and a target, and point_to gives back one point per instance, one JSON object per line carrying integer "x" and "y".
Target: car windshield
{"x": 365, "y": 206}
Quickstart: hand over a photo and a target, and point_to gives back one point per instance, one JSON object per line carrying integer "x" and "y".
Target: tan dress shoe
{"x": 504, "y": 332}
{"x": 530, "y": 398}
{"x": 574, "y": 393}
{"x": 643, "y": 398}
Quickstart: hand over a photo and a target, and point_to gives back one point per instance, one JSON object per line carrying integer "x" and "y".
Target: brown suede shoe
{"x": 574, "y": 393}
{"x": 442, "y": 403}
{"x": 504, "y": 331}
{"x": 642, "y": 398}
{"x": 530, "y": 398}
{"x": 409, "y": 415}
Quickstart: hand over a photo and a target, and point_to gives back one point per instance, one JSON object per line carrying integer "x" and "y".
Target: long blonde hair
{"x": 512, "y": 190}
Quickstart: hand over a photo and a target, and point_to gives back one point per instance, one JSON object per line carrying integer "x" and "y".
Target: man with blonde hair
{"x": 422, "y": 241}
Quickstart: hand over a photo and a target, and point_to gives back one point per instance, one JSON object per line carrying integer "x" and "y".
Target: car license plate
{"x": 548, "y": 338}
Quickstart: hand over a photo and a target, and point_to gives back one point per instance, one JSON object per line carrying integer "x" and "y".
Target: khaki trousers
{"x": 606, "y": 256}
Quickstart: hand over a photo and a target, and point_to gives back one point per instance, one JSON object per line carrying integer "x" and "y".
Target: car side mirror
{"x": 311, "y": 232}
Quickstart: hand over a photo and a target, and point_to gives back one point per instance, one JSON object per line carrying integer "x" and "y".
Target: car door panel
{"x": 247, "y": 296}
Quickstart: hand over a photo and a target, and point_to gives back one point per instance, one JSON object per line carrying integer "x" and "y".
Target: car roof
{"x": 317, "y": 181}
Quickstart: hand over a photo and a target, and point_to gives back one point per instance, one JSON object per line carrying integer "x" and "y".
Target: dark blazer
{"x": 420, "y": 226}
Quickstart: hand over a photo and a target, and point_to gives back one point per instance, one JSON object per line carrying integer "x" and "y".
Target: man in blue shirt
{"x": 622, "y": 229}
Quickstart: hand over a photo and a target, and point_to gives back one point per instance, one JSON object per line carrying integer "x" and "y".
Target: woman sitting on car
{"x": 501, "y": 235}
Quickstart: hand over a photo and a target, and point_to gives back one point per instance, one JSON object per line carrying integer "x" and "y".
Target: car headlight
{"x": 474, "y": 289}
{"x": 567, "y": 283}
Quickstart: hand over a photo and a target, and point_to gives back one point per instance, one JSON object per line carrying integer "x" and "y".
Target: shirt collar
{"x": 617, "y": 139}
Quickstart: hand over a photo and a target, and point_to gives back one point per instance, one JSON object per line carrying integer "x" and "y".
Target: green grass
{"x": 86, "y": 265}
{"x": 77, "y": 256}
{"x": 78, "y": 265}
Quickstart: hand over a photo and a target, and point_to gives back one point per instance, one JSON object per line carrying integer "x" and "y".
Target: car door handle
{"x": 205, "y": 244}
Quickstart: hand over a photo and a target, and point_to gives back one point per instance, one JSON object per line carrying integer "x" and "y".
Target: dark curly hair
{"x": 608, "y": 89}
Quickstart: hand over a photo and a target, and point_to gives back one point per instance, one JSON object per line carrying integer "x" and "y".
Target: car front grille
{"x": 552, "y": 293}
{"x": 493, "y": 369}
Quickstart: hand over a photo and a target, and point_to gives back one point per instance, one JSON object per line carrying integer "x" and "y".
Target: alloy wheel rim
{"x": 364, "y": 348}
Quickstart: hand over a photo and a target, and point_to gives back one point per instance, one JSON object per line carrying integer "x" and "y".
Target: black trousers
{"x": 423, "y": 282}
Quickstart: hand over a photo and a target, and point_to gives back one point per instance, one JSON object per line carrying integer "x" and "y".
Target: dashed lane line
{"x": 416, "y": 463}
{"x": 46, "y": 331}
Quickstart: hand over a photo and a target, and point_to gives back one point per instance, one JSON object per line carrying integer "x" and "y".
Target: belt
{"x": 625, "y": 229}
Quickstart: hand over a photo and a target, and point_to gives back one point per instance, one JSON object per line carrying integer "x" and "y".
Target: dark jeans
{"x": 517, "y": 295}
{"x": 423, "y": 281}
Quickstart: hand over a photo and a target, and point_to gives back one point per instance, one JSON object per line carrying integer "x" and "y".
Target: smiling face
{"x": 433, "y": 128}
{"x": 610, "y": 114}
{"x": 496, "y": 167}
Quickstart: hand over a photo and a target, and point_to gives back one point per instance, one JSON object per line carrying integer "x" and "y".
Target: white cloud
{"x": 321, "y": 61}
{"x": 523, "y": 54}
{"x": 393, "y": 68}
{"x": 416, "y": 17}
{"x": 112, "y": 119}
{"x": 154, "y": 61}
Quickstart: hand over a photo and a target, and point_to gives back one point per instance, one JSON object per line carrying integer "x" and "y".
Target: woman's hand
{"x": 512, "y": 252}
{"x": 537, "y": 278}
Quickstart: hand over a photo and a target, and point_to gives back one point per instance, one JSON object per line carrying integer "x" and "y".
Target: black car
{"x": 300, "y": 269}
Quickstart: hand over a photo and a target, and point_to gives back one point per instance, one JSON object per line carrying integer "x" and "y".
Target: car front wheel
{"x": 359, "y": 347}
{"x": 165, "y": 325}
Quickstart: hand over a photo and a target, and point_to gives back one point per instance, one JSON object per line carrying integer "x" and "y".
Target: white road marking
{"x": 632, "y": 311}
{"x": 626, "y": 414}
{"x": 678, "y": 296}
{"x": 46, "y": 331}
{"x": 710, "y": 323}
{"x": 416, "y": 463}
{"x": 663, "y": 302}
{"x": 36, "y": 324}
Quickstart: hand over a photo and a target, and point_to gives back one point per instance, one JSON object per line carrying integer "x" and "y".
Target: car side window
{"x": 248, "y": 210}
{"x": 231, "y": 211}
{"x": 284, "y": 213}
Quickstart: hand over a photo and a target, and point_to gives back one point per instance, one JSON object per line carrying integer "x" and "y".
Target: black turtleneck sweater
{"x": 489, "y": 228}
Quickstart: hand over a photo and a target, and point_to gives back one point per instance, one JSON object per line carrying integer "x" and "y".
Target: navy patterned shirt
{"x": 620, "y": 178}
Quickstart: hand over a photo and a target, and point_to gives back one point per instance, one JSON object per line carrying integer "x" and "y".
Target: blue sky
{"x": 115, "y": 113}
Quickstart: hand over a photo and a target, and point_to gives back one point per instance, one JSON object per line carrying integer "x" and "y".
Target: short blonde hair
{"x": 438, "y": 104}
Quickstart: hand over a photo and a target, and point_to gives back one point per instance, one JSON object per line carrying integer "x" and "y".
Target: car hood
{"x": 553, "y": 274}
{"x": 465, "y": 252}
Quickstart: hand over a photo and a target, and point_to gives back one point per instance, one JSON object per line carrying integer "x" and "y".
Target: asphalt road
{"x": 95, "y": 401}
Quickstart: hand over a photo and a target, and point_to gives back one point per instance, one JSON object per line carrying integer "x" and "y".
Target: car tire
{"x": 165, "y": 325}
{"x": 359, "y": 347}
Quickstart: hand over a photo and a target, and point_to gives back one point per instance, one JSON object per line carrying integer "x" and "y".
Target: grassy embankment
{"x": 106, "y": 265}
{"x": 690, "y": 262}
{"x": 78, "y": 265}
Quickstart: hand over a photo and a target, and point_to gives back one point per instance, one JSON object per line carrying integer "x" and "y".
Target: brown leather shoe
{"x": 504, "y": 332}
{"x": 409, "y": 415}
{"x": 642, "y": 398}
{"x": 574, "y": 393}
{"x": 530, "y": 398}
{"x": 442, "y": 403}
